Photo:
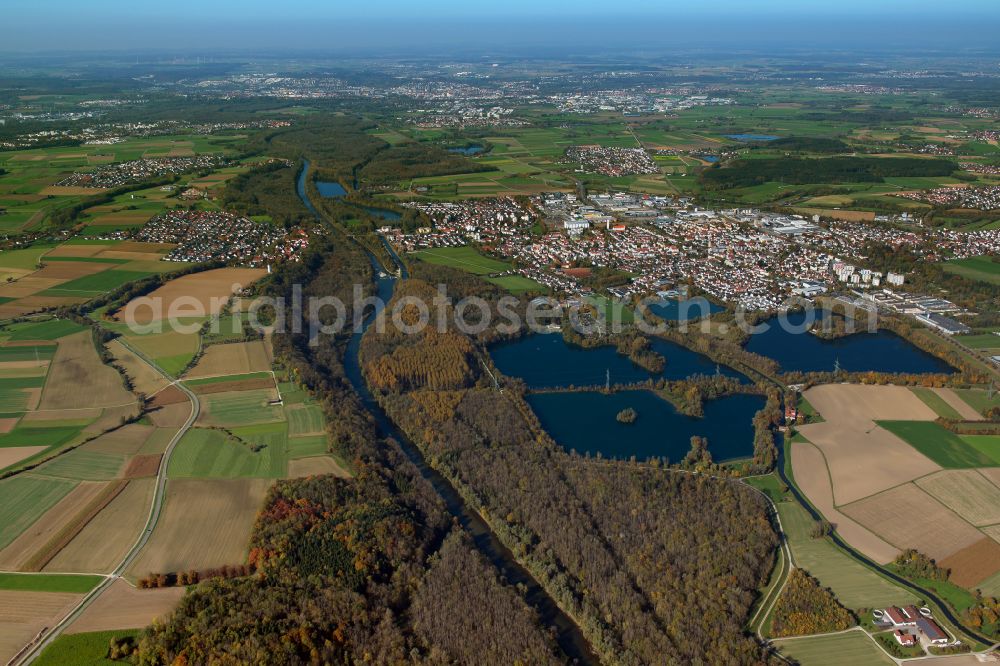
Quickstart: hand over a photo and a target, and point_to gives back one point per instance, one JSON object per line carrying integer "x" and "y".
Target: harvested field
{"x": 77, "y": 364}
{"x": 811, "y": 475}
{"x": 111, "y": 417}
{"x": 24, "y": 614}
{"x": 171, "y": 395}
{"x": 234, "y": 386}
{"x": 207, "y": 291}
{"x": 206, "y": 523}
{"x": 100, "y": 545}
{"x": 70, "y": 270}
{"x": 907, "y": 517}
{"x": 316, "y": 466}
{"x": 14, "y": 454}
{"x": 15, "y": 556}
{"x": 125, "y": 441}
{"x": 973, "y": 564}
{"x": 138, "y": 246}
{"x": 966, "y": 492}
{"x": 62, "y": 538}
{"x": 171, "y": 416}
{"x": 145, "y": 379}
{"x": 871, "y": 403}
{"x": 959, "y": 405}
{"x": 993, "y": 531}
{"x": 76, "y": 250}
{"x": 157, "y": 442}
{"x": 131, "y": 256}
{"x": 234, "y": 358}
{"x": 863, "y": 458}
{"x": 125, "y": 607}
{"x": 143, "y": 466}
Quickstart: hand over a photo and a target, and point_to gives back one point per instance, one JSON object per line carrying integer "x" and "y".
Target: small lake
{"x": 752, "y": 137}
{"x": 334, "y": 190}
{"x": 468, "y": 150}
{"x": 547, "y": 361}
{"x": 883, "y": 351}
{"x": 672, "y": 309}
{"x": 711, "y": 159}
{"x": 586, "y": 421}
{"x": 330, "y": 190}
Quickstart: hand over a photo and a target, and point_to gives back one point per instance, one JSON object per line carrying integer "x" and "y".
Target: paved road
{"x": 155, "y": 510}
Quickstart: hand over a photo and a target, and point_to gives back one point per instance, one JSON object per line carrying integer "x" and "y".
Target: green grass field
{"x": 305, "y": 447}
{"x": 518, "y": 284}
{"x": 936, "y": 403}
{"x": 23, "y": 499}
{"x": 981, "y": 341}
{"x": 940, "y": 445}
{"x": 52, "y": 329}
{"x": 84, "y": 466}
{"x": 221, "y": 379}
{"x": 854, "y": 647}
{"x": 978, "y": 399}
{"x": 975, "y": 268}
{"x": 73, "y": 583}
{"x": 87, "y": 649}
{"x": 238, "y": 408}
{"x": 27, "y": 353}
{"x": 988, "y": 445}
{"x": 855, "y": 585}
{"x": 96, "y": 284}
{"x": 205, "y": 453}
{"x": 462, "y": 258}
{"x": 305, "y": 420}
{"x": 35, "y": 436}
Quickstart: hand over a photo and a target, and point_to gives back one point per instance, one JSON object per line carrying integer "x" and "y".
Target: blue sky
{"x": 329, "y": 24}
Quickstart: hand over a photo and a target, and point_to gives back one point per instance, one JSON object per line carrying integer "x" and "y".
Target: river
{"x": 568, "y": 635}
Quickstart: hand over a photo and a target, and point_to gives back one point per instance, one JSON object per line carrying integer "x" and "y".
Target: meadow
{"x": 975, "y": 268}
{"x": 852, "y": 647}
{"x": 463, "y": 258}
{"x": 855, "y": 585}
{"x": 943, "y": 446}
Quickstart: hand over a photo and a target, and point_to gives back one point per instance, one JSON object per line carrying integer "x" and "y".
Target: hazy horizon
{"x": 517, "y": 27}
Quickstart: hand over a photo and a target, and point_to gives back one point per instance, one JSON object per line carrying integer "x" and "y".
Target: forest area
{"x": 345, "y": 570}
{"x": 615, "y": 544}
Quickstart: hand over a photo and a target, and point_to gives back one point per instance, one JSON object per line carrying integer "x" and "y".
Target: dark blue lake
{"x": 333, "y": 190}
{"x": 330, "y": 190}
{"x": 752, "y": 137}
{"x": 711, "y": 159}
{"x": 467, "y": 150}
{"x": 586, "y": 421}
{"x": 883, "y": 351}
{"x": 547, "y": 361}
{"x": 672, "y": 309}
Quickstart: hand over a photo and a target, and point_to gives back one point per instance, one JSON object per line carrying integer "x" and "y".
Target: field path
{"x": 46, "y": 638}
